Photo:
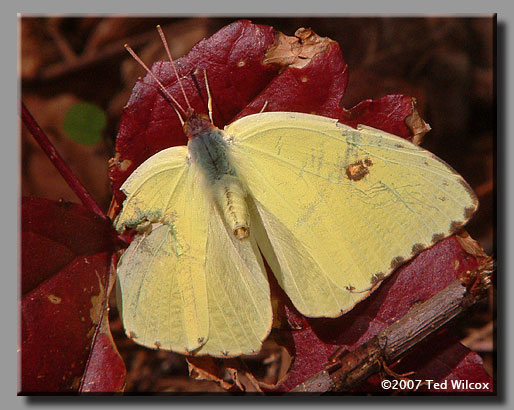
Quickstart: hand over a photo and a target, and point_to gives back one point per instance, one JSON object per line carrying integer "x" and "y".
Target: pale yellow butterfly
{"x": 333, "y": 210}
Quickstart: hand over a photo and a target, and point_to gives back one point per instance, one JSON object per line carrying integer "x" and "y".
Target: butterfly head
{"x": 196, "y": 124}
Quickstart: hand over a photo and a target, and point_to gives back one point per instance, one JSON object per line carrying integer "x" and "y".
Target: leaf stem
{"x": 59, "y": 163}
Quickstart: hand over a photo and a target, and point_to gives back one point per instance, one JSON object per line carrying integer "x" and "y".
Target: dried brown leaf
{"x": 297, "y": 51}
{"x": 416, "y": 124}
{"x": 205, "y": 368}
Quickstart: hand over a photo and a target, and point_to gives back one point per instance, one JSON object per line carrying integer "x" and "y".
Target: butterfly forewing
{"x": 161, "y": 274}
{"x": 340, "y": 208}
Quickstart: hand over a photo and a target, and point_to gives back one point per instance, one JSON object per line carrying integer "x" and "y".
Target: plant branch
{"x": 92, "y": 57}
{"x": 61, "y": 42}
{"x": 58, "y": 162}
{"x": 352, "y": 368}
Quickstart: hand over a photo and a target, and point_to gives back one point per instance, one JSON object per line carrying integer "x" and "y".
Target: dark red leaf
{"x": 67, "y": 277}
{"x": 58, "y": 321}
{"x": 387, "y": 113}
{"x": 316, "y": 88}
{"x": 54, "y": 233}
{"x": 106, "y": 372}
{"x": 41, "y": 258}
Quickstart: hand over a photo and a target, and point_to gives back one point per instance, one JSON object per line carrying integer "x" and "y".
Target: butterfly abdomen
{"x": 230, "y": 197}
{"x": 209, "y": 151}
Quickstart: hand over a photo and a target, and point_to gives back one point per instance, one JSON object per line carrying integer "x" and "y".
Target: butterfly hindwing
{"x": 238, "y": 291}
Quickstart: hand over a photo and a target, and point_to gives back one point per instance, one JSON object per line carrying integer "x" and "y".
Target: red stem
{"x": 58, "y": 162}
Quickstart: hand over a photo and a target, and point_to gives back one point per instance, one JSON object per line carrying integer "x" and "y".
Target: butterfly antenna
{"x": 163, "y": 38}
{"x": 209, "y": 97}
{"x": 176, "y": 106}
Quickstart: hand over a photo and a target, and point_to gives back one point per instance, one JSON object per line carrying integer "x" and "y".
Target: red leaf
{"x": 41, "y": 258}
{"x": 315, "y": 88}
{"x": 106, "y": 371}
{"x": 387, "y": 113}
{"x": 54, "y": 233}
{"x": 66, "y": 271}
{"x": 58, "y": 320}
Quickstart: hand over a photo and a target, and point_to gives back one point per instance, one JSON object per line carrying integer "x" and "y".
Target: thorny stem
{"x": 59, "y": 163}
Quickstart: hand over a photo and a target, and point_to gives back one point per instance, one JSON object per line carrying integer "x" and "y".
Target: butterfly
{"x": 332, "y": 209}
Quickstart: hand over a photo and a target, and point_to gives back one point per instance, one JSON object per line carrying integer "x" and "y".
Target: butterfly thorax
{"x": 210, "y": 152}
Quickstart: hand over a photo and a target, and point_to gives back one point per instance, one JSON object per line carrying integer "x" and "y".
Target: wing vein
{"x": 329, "y": 135}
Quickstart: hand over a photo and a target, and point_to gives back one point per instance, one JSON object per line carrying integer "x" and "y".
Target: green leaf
{"x": 84, "y": 123}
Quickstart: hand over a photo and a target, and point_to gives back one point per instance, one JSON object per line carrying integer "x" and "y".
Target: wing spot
{"x": 377, "y": 277}
{"x": 469, "y": 211}
{"x": 359, "y": 169}
{"x": 242, "y": 63}
{"x": 437, "y": 237}
{"x": 157, "y": 345}
{"x": 417, "y": 248}
{"x": 456, "y": 225}
{"x": 397, "y": 262}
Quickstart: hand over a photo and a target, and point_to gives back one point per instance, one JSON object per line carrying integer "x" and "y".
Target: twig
{"x": 83, "y": 61}
{"x": 352, "y": 368}
{"x": 59, "y": 163}
{"x": 62, "y": 44}
{"x": 88, "y": 59}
